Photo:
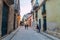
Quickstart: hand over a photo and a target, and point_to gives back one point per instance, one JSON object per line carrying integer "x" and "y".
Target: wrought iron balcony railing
{"x": 16, "y": 11}
{"x": 16, "y": 7}
{"x": 35, "y": 6}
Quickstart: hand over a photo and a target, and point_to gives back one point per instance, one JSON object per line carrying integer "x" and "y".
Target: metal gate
{"x": 4, "y": 19}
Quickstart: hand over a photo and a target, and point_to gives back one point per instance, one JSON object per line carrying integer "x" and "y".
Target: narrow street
{"x": 30, "y": 34}
{"x": 29, "y": 20}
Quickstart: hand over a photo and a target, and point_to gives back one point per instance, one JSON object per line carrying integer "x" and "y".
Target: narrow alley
{"x": 29, "y": 19}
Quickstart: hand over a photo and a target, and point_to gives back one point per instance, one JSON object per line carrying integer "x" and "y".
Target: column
{"x": 10, "y": 19}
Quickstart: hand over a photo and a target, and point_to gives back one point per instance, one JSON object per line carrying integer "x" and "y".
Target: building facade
{"x": 48, "y": 14}
{"x": 39, "y": 13}
{"x": 8, "y": 18}
{"x": 53, "y": 15}
{"x": 28, "y": 18}
{"x": 17, "y": 11}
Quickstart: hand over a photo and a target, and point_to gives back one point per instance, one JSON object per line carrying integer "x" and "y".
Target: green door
{"x": 4, "y": 19}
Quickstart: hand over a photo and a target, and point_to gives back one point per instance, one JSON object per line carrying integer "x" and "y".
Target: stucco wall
{"x": 11, "y": 18}
{"x": 40, "y": 17}
{"x": 53, "y": 14}
{"x": 40, "y": 1}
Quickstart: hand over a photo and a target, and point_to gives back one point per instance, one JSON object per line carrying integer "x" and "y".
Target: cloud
{"x": 25, "y": 7}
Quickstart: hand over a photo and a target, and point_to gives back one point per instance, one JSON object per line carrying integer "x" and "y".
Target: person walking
{"x": 37, "y": 28}
{"x": 26, "y": 25}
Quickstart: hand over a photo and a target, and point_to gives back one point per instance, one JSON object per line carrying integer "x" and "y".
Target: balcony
{"x": 16, "y": 7}
{"x": 9, "y": 2}
{"x": 16, "y": 11}
{"x": 35, "y": 6}
{"x": 44, "y": 9}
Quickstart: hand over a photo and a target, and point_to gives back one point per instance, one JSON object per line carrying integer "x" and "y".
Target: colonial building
{"x": 39, "y": 13}
{"x": 8, "y": 19}
{"x": 28, "y": 18}
{"x": 48, "y": 14}
{"x": 53, "y": 16}
{"x": 17, "y": 12}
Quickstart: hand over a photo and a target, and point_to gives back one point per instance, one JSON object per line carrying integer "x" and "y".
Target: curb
{"x": 9, "y": 37}
{"x": 50, "y": 36}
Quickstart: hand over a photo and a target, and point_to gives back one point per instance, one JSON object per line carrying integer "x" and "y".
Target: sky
{"x": 25, "y": 7}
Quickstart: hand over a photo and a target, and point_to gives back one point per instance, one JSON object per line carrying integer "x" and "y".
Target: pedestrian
{"x": 38, "y": 28}
{"x": 26, "y": 25}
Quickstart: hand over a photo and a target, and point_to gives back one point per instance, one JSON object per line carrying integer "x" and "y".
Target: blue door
{"x": 4, "y": 19}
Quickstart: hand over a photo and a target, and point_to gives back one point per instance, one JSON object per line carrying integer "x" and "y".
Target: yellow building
{"x": 52, "y": 14}
{"x": 39, "y": 15}
{"x": 18, "y": 19}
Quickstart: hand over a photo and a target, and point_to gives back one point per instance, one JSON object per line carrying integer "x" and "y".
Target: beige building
{"x": 37, "y": 12}
{"x": 8, "y": 16}
{"x": 52, "y": 15}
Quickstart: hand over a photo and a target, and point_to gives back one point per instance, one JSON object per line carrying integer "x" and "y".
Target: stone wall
{"x": 0, "y": 15}
{"x": 10, "y": 18}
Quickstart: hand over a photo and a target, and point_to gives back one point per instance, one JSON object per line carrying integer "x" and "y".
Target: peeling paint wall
{"x": 10, "y": 19}
{"x": 53, "y": 14}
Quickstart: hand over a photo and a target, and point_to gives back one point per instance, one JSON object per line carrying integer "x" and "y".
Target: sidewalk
{"x": 8, "y": 37}
{"x": 47, "y": 35}
{"x": 50, "y": 36}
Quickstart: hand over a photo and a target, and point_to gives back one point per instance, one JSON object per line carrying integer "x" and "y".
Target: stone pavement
{"x": 29, "y": 34}
{"x": 9, "y": 36}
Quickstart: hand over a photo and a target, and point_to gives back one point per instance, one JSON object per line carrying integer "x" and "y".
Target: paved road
{"x": 29, "y": 34}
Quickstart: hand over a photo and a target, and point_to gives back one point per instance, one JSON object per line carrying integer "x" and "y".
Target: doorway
{"x": 5, "y": 11}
